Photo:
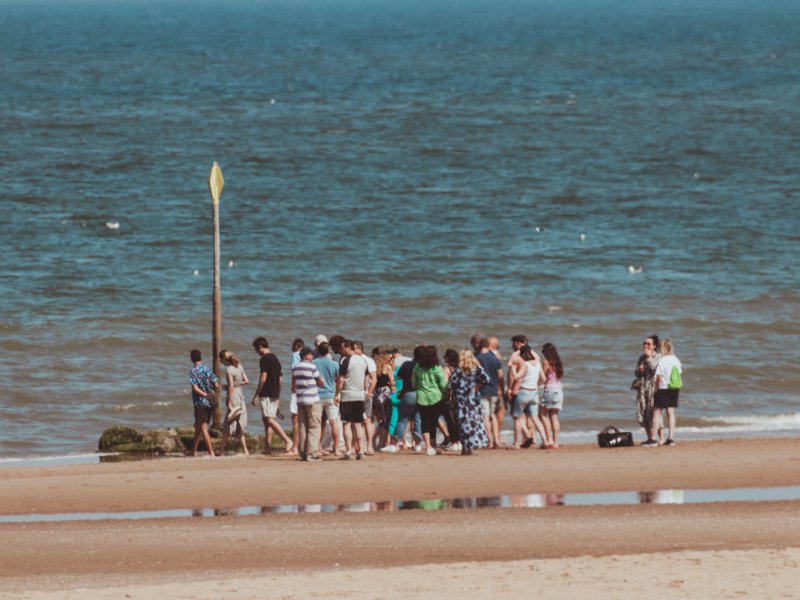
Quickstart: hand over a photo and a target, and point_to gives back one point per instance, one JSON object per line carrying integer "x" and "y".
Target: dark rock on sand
{"x": 175, "y": 440}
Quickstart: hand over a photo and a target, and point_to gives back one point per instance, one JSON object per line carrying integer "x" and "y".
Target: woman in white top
{"x": 235, "y": 424}
{"x": 525, "y": 405}
{"x": 667, "y": 391}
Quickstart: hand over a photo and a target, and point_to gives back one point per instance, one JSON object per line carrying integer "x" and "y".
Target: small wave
{"x": 134, "y": 406}
{"x": 782, "y": 422}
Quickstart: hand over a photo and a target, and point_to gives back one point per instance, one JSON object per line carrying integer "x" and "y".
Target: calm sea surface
{"x": 398, "y": 172}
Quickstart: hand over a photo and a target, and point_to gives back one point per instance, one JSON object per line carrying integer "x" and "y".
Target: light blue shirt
{"x": 328, "y": 370}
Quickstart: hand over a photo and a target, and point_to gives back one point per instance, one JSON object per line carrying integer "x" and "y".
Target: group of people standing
{"x": 658, "y": 383}
{"x": 386, "y": 401}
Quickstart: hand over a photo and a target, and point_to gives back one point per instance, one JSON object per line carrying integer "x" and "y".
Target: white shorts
{"x": 330, "y": 409}
{"x": 269, "y": 407}
{"x": 293, "y": 404}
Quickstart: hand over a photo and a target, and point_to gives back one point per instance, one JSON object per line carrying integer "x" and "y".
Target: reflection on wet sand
{"x": 519, "y": 501}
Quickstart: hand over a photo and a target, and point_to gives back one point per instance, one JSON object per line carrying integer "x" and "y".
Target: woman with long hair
{"x": 525, "y": 408}
{"x": 552, "y": 398}
{"x": 235, "y": 424}
{"x": 451, "y": 433}
{"x": 464, "y": 381}
{"x": 407, "y": 408}
{"x": 645, "y": 386}
{"x": 428, "y": 380}
{"x": 668, "y": 386}
{"x": 384, "y": 388}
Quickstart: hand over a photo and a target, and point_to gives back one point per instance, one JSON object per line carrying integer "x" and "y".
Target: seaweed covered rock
{"x": 175, "y": 440}
{"x": 120, "y": 438}
{"x": 118, "y": 435}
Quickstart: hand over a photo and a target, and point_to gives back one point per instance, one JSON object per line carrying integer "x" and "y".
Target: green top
{"x": 429, "y": 384}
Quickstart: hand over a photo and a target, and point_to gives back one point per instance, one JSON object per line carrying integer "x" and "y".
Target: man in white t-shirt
{"x": 351, "y": 389}
{"x": 372, "y": 370}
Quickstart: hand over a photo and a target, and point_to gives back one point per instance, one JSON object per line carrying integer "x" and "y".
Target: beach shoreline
{"x": 172, "y": 483}
{"x": 303, "y": 552}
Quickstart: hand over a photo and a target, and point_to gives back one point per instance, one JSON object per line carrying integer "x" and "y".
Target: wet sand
{"x": 302, "y": 553}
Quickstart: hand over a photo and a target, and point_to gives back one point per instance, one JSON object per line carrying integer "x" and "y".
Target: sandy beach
{"x": 612, "y": 550}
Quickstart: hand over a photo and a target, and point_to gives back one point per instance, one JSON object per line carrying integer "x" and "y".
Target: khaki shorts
{"x": 330, "y": 409}
{"x": 269, "y": 407}
{"x": 489, "y": 405}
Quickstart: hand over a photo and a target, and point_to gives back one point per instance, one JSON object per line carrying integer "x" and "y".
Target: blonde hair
{"x": 666, "y": 347}
{"x": 383, "y": 363}
{"x": 467, "y": 361}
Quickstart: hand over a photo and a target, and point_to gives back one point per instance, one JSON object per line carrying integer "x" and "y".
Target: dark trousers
{"x": 430, "y": 418}
{"x": 448, "y": 412}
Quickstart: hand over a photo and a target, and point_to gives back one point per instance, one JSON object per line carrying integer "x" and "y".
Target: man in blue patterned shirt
{"x": 204, "y": 383}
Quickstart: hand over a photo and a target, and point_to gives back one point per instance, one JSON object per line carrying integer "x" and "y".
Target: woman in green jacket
{"x": 429, "y": 382}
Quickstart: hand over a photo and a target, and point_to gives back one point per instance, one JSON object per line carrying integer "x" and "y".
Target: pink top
{"x": 551, "y": 381}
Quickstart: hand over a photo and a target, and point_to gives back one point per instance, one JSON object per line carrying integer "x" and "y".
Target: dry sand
{"x": 701, "y": 550}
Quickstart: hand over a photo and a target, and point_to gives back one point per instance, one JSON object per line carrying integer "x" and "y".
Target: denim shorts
{"x": 553, "y": 399}
{"x": 525, "y": 403}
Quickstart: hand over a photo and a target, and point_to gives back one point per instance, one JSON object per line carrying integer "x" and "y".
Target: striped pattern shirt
{"x": 305, "y": 382}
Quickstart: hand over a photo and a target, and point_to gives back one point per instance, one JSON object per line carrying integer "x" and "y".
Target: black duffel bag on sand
{"x": 611, "y": 437}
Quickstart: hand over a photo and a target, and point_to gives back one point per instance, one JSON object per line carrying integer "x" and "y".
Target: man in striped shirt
{"x": 306, "y": 382}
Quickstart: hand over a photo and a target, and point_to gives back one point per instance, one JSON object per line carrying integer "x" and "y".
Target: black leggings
{"x": 430, "y": 418}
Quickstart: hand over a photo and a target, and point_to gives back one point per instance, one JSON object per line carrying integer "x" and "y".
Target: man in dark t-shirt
{"x": 268, "y": 394}
{"x": 492, "y": 392}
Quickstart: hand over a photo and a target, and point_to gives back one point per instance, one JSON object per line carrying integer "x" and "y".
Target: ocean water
{"x": 397, "y": 172}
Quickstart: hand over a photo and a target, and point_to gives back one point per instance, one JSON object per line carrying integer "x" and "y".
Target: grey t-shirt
{"x": 354, "y": 370}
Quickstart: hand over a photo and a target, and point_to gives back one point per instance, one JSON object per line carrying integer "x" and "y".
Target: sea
{"x": 585, "y": 172}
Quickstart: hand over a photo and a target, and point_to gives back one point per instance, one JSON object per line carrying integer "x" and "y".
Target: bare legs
{"x": 370, "y": 428}
{"x": 552, "y": 426}
{"x": 201, "y": 430}
{"x": 521, "y": 431}
{"x": 353, "y": 433}
{"x": 271, "y": 425}
{"x": 295, "y": 435}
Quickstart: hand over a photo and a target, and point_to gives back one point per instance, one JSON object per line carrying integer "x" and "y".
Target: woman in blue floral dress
{"x": 463, "y": 382}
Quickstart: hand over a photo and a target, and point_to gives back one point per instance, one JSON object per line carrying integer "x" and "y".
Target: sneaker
{"x": 418, "y": 448}
{"x": 669, "y": 442}
{"x": 347, "y": 456}
{"x": 431, "y": 452}
{"x": 390, "y": 448}
{"x": 650, "y": 443}
{"x": 359, "y": 456}
{"x": 446, "y": 443}
{"x": 315, "y": 458}
{"x": 456, "y": 447}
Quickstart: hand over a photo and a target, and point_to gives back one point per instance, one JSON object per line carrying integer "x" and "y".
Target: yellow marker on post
{"x": 215, "y": 184}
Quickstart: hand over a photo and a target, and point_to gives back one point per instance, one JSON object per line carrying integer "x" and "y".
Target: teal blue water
{"x": 397, "y": 172}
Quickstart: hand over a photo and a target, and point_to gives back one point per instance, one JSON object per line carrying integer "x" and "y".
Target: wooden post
{"x": 215, "y": 183}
